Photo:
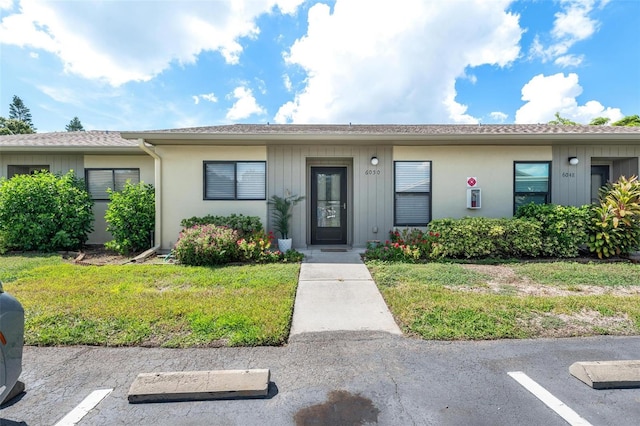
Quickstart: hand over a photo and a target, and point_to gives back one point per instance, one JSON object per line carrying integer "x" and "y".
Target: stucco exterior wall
{"x": 183, "y": 185}
{"x": 492, "y": 166}
{"x": 142, "y": 162}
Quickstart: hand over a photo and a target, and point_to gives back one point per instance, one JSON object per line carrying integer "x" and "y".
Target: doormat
{"x": 334, "y": 250}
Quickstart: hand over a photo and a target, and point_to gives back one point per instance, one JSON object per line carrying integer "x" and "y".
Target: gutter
{"x": 158, "y": 186}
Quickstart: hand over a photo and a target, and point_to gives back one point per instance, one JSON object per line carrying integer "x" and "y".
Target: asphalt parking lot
{"x": 335, "y": 378}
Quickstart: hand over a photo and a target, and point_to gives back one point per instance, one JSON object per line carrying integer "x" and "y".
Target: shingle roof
{"x": 397, "y": 129}
{"x": 112, "y": 140}
{"x": 91, "y": 139}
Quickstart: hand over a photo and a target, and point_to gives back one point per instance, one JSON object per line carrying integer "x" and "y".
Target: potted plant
{"x": 281, "y": 214}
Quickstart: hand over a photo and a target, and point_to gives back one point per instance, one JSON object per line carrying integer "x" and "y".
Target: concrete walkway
{"x": 336, "y": 293}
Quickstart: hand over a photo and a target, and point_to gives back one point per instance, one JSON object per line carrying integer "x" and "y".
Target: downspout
{"x": 158, "y": 186}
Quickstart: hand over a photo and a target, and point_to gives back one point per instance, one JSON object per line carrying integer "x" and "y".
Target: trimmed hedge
{"x": 563, "y": 228}
{"x": 481, "y": 237}
{"x": 44, "y": 212}
{"x": 131, "y": 217}
{"x": 244, "y": 225}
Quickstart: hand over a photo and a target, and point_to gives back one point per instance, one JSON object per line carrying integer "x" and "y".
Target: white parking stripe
{"x": 551, "y": 401}
{"x": 84, "y": 407}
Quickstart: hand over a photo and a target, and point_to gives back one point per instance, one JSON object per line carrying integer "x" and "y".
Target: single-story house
{"x": 359, "y": 181}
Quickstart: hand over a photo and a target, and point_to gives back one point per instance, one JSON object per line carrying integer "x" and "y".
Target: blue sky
{"x": 138, "y": 65}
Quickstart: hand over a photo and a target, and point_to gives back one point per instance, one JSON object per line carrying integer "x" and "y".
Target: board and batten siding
{"x": 369, "y": 188}
{"x": 492, "y": 166}
{"x": 571, "y": 185}
{"x": 183, "y": 186}
{"x": 57, "y": 163}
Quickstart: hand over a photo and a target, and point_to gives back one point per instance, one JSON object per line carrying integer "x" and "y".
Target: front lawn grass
{"x": 151, "y": 305}
{"x": 449, "y": 302}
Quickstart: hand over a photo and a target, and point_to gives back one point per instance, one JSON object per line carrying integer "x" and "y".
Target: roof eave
{"x": 120, "y": 150}
{"x": 168, "y": 138}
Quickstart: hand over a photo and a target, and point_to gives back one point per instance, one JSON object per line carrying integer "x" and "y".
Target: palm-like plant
{"x": 282, "y": 212}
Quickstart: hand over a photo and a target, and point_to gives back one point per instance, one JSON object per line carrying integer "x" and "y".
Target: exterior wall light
{"x": 573, "y": 161}
{"x": 374, "y": 161}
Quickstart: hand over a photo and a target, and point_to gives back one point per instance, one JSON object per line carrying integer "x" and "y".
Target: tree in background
{"x": 19, "y": 111}
{"x": 9, "y": 126}
{"x": 561, "y": 121}
{"x": 629, "y": 120}
{"x": 599, "y": 121}
{"x": 74, "y": 125}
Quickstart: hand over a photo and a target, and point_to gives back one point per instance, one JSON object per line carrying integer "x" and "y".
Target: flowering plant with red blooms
{"x": 408, "y": 245}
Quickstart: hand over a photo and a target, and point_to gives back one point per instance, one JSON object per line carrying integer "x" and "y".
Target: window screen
{"x": 412, "y": 193}
{"x": 235, "y": 180}
{"x": 13, "y": 170}
{"x": 99, "y": 180}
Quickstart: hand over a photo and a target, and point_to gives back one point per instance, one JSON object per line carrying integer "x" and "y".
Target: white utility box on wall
{"x": 474, "y": 198}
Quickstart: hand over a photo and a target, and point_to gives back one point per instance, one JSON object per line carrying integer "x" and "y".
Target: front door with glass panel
{"x": 329, "y": 205}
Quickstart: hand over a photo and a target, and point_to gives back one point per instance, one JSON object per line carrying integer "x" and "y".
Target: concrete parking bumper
{"x": 199, "y": 385}
{"x": 608, "y": 374}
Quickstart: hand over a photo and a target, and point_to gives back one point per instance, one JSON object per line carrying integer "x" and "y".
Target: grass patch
{"x": 574, "y": 274}
{"x": 391, "y": 274}
{"x": 417, "y": 297}
{"x": 152, "y": 305}
{"x": 12, "y": 266}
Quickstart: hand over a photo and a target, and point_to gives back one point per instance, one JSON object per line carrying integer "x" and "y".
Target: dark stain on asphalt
{"x": 341, "y": 408}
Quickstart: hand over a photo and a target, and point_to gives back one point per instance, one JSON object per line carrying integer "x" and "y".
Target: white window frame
{"x": 419, "y": 189}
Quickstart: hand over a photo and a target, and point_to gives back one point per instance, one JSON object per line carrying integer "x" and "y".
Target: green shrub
{"x": 563, "y": 228}
{"x": 45, "y": 212}
{"x": 206, "y": 245}
{"x": 481, "y": 237}
{"x": 131, "y": 217}
{"x": 245, "y": 225}
{"x": 614, "y": 228}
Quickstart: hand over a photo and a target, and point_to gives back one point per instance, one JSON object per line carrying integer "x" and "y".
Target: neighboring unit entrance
{"x": 328, "y": 205}
{"x": 599, "y": 178}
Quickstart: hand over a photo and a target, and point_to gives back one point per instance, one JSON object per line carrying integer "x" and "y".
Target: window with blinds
{"x": 412, "y": 186}
{"x": 22, "y": 169}
{"x": 531, "y": 183}
{"x": 99, "y": 180}
{"x": 236, "y": 180}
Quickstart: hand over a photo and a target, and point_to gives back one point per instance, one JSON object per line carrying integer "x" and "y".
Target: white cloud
{"x": 569, "y": 60}
{"x": 211, "y": 97}
{"x": 572, "y": 24}
{"x": 287, "y": 82}
{"x": 99, "y": 41}
{"x": 6, "y": 4}
{"x": 546, "y": 95}
{"x": 498, "y": 116}
{"x": 245, "y": 105}
{"x": 367, "y": 61}
{"x": 62, "y": 94}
